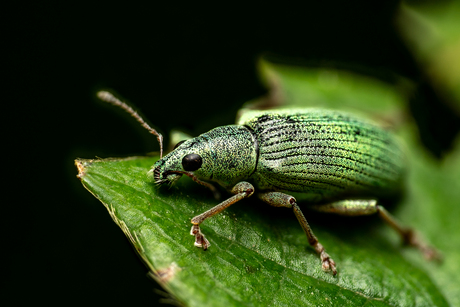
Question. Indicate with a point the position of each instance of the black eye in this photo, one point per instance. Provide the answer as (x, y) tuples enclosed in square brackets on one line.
[(191, 162), (178, 144)]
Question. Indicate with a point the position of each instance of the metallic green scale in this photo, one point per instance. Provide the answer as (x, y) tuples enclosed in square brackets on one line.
[(324, 154), (338, 163)]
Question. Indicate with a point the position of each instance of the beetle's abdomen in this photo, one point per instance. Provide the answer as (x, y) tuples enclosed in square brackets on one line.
[(326, 154)]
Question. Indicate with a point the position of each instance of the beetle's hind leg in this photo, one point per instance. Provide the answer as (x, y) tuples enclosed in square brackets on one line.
[(351, 207), (278, 199)]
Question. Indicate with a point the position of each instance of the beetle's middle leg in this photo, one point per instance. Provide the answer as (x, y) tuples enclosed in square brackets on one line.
[(241, 190), (278, 199), (352, 207)]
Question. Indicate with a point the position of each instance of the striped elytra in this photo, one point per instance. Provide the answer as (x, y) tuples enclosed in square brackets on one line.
[(325, 154)]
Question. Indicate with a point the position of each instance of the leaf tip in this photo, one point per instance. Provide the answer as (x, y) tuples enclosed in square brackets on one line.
[(81, 165)]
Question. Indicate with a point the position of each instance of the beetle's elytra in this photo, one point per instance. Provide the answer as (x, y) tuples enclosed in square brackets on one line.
[(332, 161)]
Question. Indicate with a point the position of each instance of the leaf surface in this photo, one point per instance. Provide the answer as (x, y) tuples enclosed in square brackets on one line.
[(258, 255)]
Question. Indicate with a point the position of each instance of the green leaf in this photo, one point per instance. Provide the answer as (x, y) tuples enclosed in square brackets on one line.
[(259, 254)]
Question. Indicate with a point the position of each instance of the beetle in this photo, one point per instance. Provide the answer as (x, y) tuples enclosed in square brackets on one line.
[(331, 160)]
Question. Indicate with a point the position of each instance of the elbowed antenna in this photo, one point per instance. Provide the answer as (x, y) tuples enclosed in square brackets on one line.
[(108, 97)]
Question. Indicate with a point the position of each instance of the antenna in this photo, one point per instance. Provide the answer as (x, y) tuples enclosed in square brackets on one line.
[(108, 97)]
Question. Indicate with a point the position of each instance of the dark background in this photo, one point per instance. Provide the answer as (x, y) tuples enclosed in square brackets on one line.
[(182, 65)]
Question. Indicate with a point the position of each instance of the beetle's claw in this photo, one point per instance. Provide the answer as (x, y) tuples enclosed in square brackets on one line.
[(432, 253), (429, 252), (327, 263), (200, 240)]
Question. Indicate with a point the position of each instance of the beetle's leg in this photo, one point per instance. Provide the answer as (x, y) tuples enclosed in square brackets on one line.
[(241, 190), (357, 207), (278, 199)]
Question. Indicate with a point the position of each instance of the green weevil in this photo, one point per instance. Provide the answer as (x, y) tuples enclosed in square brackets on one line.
[(332, 161)]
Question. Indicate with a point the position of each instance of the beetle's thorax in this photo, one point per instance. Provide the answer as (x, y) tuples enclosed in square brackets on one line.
[(228, 154)]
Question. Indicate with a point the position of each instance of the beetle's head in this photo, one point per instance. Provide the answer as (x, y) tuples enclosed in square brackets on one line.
[(189, 158), (224, 155)]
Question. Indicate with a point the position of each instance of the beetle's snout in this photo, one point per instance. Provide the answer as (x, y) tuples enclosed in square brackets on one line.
[(160, 176)]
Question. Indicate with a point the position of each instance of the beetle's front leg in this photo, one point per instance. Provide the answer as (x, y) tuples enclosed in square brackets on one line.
[(241, 190), (278, 199)]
